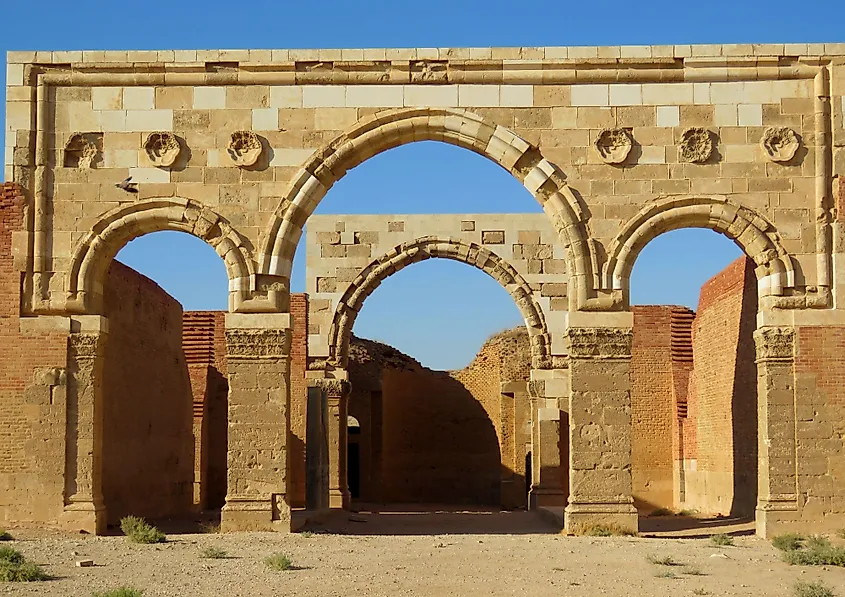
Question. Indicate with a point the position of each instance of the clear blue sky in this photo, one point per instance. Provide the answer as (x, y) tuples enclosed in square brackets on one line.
[(438, 312)]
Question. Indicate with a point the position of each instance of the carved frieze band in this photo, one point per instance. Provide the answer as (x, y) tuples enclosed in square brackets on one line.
[(600, 343), (245, 344), (775, 344)]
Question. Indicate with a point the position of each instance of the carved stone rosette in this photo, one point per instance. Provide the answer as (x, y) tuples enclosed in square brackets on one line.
[(246, 344), (81, 151), (780, 143), (244, 148), (614, 145), (600, 343), (162, 149), (696, 145), (775, 344)]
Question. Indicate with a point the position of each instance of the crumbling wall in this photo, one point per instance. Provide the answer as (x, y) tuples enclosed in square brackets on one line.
[(298, 397), (436, 436), (148, 447), (722, 478), (33, 357)]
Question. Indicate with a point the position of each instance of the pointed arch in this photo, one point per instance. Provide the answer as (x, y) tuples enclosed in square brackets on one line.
[(391, 128), (752, 232), (117, 227), (427, 247)]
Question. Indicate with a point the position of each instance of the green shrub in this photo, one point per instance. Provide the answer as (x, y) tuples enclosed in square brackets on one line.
[(663, 561), (817, 555), (665, 574), (788, 541), (661, 512), (686, 512), (279, 562), (811, 589), (140, 531), (693, 571), (5, 535), (606, 530), (22, 571), (722, 540), (214, 553), (121, 592), (10, 555)]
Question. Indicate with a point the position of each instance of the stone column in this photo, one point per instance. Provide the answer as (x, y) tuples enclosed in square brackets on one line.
[(777, 492), (337, 395), (600, 429), (84, 508), (546, 489), (258, 353)]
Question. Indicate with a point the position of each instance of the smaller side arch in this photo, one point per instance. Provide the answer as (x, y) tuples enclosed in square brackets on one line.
[(752, 232), (401, 256), (117, 227)]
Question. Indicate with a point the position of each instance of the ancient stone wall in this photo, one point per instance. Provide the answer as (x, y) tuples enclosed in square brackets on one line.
[(148, 446), (33, 393), (442, 437), (721, 475)]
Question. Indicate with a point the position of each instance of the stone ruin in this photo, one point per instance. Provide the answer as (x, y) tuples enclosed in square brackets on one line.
[(238, 147)]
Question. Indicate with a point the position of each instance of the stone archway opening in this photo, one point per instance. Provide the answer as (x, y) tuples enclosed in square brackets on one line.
[(694, 383)]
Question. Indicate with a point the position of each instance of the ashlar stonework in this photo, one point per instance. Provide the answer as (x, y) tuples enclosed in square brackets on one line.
[(264, 134)]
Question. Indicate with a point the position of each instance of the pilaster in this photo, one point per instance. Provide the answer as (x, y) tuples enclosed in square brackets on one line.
[(600, 428)]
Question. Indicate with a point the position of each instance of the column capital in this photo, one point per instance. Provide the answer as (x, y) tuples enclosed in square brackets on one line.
[(599, 342), (83, 346), (775, 344), (334, 388)]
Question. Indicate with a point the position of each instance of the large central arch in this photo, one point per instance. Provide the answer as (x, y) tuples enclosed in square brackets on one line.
[(401, 256), (391, 128)]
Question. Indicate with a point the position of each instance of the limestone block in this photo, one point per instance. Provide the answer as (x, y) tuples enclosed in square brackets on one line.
[(516, 96), (668, 93), (211, 98), (265, 119), (430, 95), (668, 116), (139, 98), (288, 96), (493, 237), (324, 96), (107, 98), (750, 115), (478, 96), (155, 175), (590, 95), (149, 120), (626, 94), (374, 96)]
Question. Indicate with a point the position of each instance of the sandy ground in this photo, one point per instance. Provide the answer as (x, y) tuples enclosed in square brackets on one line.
[(416, 555)]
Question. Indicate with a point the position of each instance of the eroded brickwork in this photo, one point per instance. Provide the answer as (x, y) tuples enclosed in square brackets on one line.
[(32, 393)]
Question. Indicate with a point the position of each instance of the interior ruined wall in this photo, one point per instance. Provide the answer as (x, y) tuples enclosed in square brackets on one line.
[(820, 427), (148, 448), (656, 363), (204, 345), (32, 392), (721, 476), (442, 437)]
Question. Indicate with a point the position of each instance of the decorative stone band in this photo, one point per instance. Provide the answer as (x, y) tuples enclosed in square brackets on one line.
[(248, 344), (334, 388), (775, 344), (599, 343), (85, 346)]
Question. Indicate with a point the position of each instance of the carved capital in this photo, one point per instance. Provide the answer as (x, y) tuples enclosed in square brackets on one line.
[(246, 344), (84, 346), (775, 344), (334, 388), (600, 343)]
